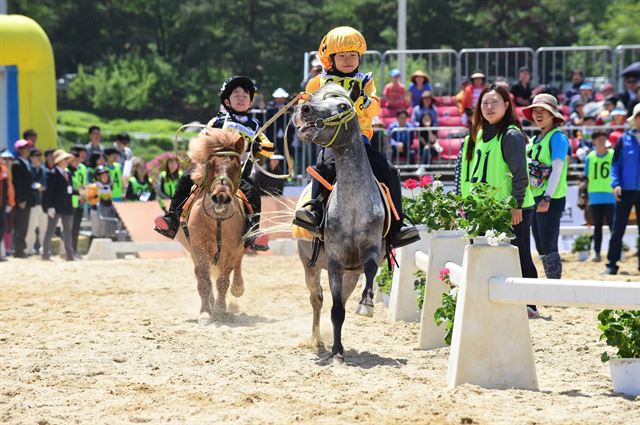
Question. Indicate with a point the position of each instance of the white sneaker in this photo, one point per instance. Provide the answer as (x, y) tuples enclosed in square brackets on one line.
[(533, 314)]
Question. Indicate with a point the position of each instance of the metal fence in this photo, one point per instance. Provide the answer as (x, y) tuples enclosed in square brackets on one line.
[(549, 65), (439, 64), (555, 65), (625, 55), (503, 62)]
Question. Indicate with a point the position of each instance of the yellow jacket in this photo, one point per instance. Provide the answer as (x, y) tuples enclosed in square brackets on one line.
[(365, 116)]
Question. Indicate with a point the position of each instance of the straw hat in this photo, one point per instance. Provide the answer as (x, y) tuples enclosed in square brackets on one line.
[(544, 101), (61, 155), (632, 119), (419, 73), (477, 74)]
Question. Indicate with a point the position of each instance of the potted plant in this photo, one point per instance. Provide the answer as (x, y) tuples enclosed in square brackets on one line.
[(486, 218), (621, 329), (419, 285), (384, 279), (433, 207), (582, 245), (446, 313)]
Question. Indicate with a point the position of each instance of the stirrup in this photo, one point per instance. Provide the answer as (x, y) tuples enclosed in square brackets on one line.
[(406, 236), (303, 220), (164, 228)]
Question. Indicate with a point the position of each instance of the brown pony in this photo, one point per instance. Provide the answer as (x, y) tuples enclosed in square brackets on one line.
[(216, 223)]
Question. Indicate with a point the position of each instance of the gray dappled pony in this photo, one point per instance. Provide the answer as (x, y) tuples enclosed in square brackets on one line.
[(353, 240)]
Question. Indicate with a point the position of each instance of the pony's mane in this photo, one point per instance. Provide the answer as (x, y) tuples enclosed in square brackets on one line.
[(209, 142)]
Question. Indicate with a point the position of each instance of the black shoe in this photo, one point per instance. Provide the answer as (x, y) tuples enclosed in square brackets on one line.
[(308, 219), (20, 255), (611, 270), (405, 236)]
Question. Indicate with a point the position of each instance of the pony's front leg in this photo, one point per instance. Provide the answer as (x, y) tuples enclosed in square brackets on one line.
[(237, 286), (202, 271), (222, 283), (337, 309), (312, 279), (370, 265)]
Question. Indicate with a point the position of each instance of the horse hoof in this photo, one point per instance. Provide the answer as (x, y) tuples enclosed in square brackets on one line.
[(237, 290), (364, 310), (205, 319), (338, 359)]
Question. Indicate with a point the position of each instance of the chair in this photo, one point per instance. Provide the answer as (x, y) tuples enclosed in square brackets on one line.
[(451, 148), (448, 111), (450, 121), (445, 100)]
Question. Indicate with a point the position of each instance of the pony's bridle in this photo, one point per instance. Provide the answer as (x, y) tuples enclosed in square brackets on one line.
[(223, 179), (338, 120)]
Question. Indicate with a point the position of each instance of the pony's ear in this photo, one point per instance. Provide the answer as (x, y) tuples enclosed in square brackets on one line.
[(238, 145)]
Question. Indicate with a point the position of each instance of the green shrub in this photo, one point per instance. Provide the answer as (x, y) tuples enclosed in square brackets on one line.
[(621, 329), (384, 279)]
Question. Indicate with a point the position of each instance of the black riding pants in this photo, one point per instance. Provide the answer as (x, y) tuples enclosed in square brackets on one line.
[(382, 169)]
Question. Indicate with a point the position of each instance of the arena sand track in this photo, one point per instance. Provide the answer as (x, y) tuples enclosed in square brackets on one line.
[(118, 342)]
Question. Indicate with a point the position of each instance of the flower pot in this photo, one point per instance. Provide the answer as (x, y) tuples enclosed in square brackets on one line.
[(583, 255), (625, 375), (385, 299), (482, 240)]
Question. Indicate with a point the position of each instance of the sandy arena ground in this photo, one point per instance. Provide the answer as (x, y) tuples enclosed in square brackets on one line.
[(118, 342)]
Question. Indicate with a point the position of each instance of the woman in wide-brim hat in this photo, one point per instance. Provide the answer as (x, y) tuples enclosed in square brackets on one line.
[(548, 162), (419, 84)]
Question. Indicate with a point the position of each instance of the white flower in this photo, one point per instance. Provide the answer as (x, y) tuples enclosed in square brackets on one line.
[(490, 233), (502, 237), (492, 240), (436, 184)]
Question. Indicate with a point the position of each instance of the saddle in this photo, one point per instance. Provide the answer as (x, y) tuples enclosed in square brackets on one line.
[(298, 232)]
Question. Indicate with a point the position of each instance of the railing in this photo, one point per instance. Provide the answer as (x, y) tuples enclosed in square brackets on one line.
[(502, 62), (625, 55), (439, 64), (555, 64), (549, 65)]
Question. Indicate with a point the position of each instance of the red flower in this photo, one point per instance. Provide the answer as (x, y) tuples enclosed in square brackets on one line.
[(444, 274), (425, 181), (410, 183)]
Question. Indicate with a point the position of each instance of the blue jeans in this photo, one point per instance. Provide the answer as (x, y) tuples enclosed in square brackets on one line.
[(628, 199), (546, 226)]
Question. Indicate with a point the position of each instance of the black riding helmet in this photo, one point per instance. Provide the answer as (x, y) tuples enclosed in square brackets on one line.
[(237, 81), (101, 170)]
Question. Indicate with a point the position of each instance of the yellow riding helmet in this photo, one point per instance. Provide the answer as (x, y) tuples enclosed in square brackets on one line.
[(340, 39)]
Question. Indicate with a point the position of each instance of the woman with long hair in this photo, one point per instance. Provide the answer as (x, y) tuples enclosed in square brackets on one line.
[(496, 155)]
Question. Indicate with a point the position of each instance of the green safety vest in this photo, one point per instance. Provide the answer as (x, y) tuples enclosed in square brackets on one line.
[(540, 150), (139, 188), (78, 181), (169, 184), (115, 173), (600, 172), (465, 176), (488, 166)]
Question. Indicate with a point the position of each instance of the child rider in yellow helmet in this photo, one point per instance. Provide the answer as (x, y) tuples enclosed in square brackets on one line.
[(340, 52)]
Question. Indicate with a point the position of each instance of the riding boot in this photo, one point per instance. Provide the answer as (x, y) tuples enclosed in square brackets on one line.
[(255, 242), (400, 234), (552, 264), (311, 215), (167, 224)]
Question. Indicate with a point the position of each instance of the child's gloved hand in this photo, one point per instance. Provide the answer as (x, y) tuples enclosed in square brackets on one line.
[(255, 147), (362, 103)]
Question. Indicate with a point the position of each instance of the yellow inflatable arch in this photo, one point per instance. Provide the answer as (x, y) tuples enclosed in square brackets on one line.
[(26, 45)]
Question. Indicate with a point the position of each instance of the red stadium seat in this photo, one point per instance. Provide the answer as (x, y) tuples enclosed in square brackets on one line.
[(445, 101), (519, 112), (566, 110), (443, 134), (575, 144), (387, 121), (451, 148), (450, 121), (448, 111)]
